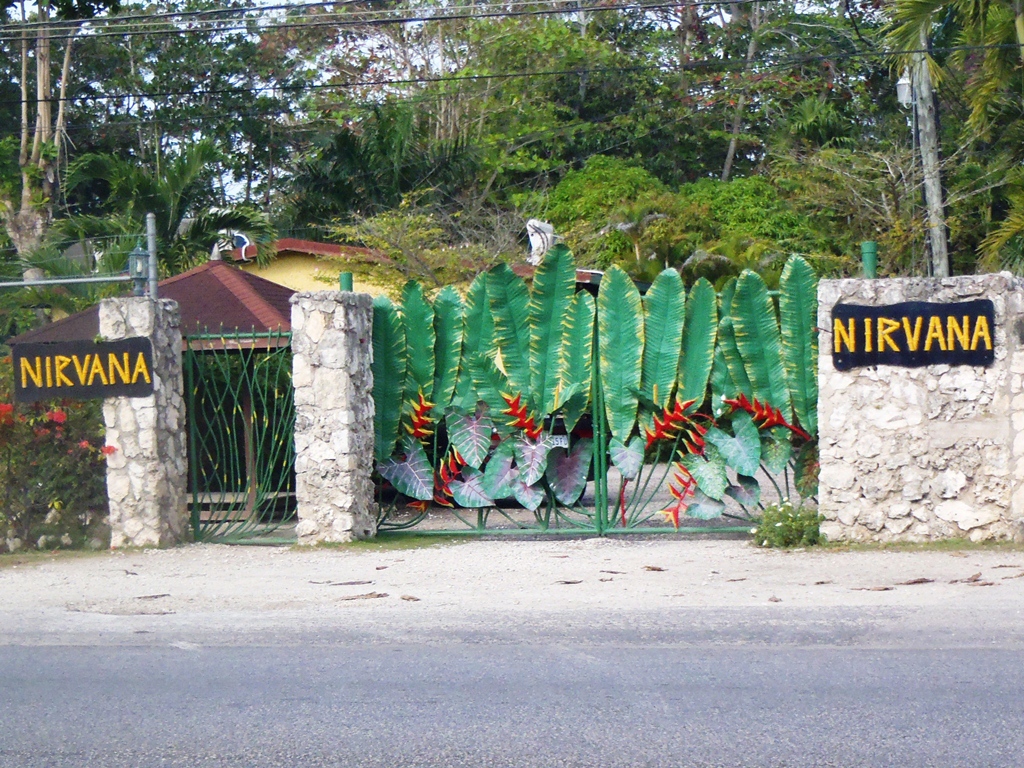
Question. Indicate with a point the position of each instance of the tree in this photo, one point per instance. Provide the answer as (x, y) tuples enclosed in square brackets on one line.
[(187, 230)]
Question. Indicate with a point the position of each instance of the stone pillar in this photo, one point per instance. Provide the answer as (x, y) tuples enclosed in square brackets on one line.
[(146, 474), (923, 453), (331, 356)]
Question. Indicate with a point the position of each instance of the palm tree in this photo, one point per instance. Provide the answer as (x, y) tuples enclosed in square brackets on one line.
[(187, 229)]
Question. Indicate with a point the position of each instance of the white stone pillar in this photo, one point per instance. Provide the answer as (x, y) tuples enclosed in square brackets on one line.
[(923, 453), (331, 356), (146, 474)]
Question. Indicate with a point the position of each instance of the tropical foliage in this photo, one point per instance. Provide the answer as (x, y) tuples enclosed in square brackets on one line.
[(520, 394)]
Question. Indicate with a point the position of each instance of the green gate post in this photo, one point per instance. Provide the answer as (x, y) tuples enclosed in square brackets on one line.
[(869, 258)]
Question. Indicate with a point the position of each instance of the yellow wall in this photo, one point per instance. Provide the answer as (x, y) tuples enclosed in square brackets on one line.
[(299, 272)]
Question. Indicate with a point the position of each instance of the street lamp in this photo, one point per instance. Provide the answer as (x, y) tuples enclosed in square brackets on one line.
[(905, 89), (138, 269)]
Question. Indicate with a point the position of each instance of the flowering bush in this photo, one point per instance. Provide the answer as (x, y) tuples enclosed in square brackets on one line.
[(52, 477), (783, 525)]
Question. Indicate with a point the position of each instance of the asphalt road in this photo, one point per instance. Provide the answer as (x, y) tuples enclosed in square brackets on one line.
[(750, 695)]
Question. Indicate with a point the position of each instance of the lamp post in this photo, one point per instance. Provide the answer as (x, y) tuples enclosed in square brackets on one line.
[(138, 269)]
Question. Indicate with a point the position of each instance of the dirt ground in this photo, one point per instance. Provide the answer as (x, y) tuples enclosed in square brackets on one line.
[(209, 589)]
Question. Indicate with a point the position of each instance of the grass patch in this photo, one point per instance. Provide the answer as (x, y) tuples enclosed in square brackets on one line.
[(33, 557), (939, 545)]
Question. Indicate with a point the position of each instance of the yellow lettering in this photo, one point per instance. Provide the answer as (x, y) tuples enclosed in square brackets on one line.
[(841, 334), (886, 327), (59, 364), (97, 368), (49, 373), (955, 331), (28, 372), (981, 332), (141, 369), (115, 367), (913, 338), (81, 368), (935, 332), (868, 339)]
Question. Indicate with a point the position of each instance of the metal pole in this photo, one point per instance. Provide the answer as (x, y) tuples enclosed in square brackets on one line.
[(151, 242), (345, 281), (869, 258)]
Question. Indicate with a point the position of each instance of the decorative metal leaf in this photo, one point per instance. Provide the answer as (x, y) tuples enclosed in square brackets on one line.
[(709, 472), (478, 338), (576, 359), (776, 449), (699, 332), (469, 493), (756, 330), (727, 343), (664, 309), (746, 491), (531, 458), (530, 496), (488, 382), (798, 309), (550, 299), (418, 320), (621, 345), (805, 475), (567, 473), (722, 385), (388, 376), (471, 435), (509, 301), (627, 457), (412, 476), (449, 319), (702, 507), (742, 452), (500, 474)]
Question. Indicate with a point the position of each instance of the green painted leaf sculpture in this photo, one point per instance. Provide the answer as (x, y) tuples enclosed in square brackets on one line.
[(488, 382), (500, 473), (703, 507), (478, 338), (471, 435), (621, 346), (550, 300), (746, 491), (627, 457), (567, 472), (388, 376), (798, 308), (510, 302), (576, 359), (805, 475), (469, 492), (776, 449), (664, 308), (418, 320), (531, 457), (530, 496), (727, 344), (413, 475), (722, 385), (708, 471), (757, 337), (741, 451), (449, 320), (699, 333)]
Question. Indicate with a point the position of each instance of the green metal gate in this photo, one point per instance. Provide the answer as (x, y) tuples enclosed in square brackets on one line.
[(241, 424)]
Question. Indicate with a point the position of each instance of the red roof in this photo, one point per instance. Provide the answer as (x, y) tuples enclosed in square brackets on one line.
[(309, 248), (214, 297)]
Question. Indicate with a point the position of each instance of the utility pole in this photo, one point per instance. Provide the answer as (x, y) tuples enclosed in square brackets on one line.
[(927, 122)]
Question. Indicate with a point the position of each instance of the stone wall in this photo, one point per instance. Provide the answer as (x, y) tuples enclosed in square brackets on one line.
[(331, 356), (923, 453), (146, 474)]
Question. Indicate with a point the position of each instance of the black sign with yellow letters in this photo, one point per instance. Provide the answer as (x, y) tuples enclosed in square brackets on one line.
[(82, 370), (913, 334)]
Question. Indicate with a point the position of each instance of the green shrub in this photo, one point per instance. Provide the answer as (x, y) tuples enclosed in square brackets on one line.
[(52, 472), (784, 525)]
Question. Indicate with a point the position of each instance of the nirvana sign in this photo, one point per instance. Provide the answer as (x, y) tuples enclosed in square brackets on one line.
[(913, 334), (83, 370)]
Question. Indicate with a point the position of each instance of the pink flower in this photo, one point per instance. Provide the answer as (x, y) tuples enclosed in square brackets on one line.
[(57, 416), (85, 444), (108, 450)]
